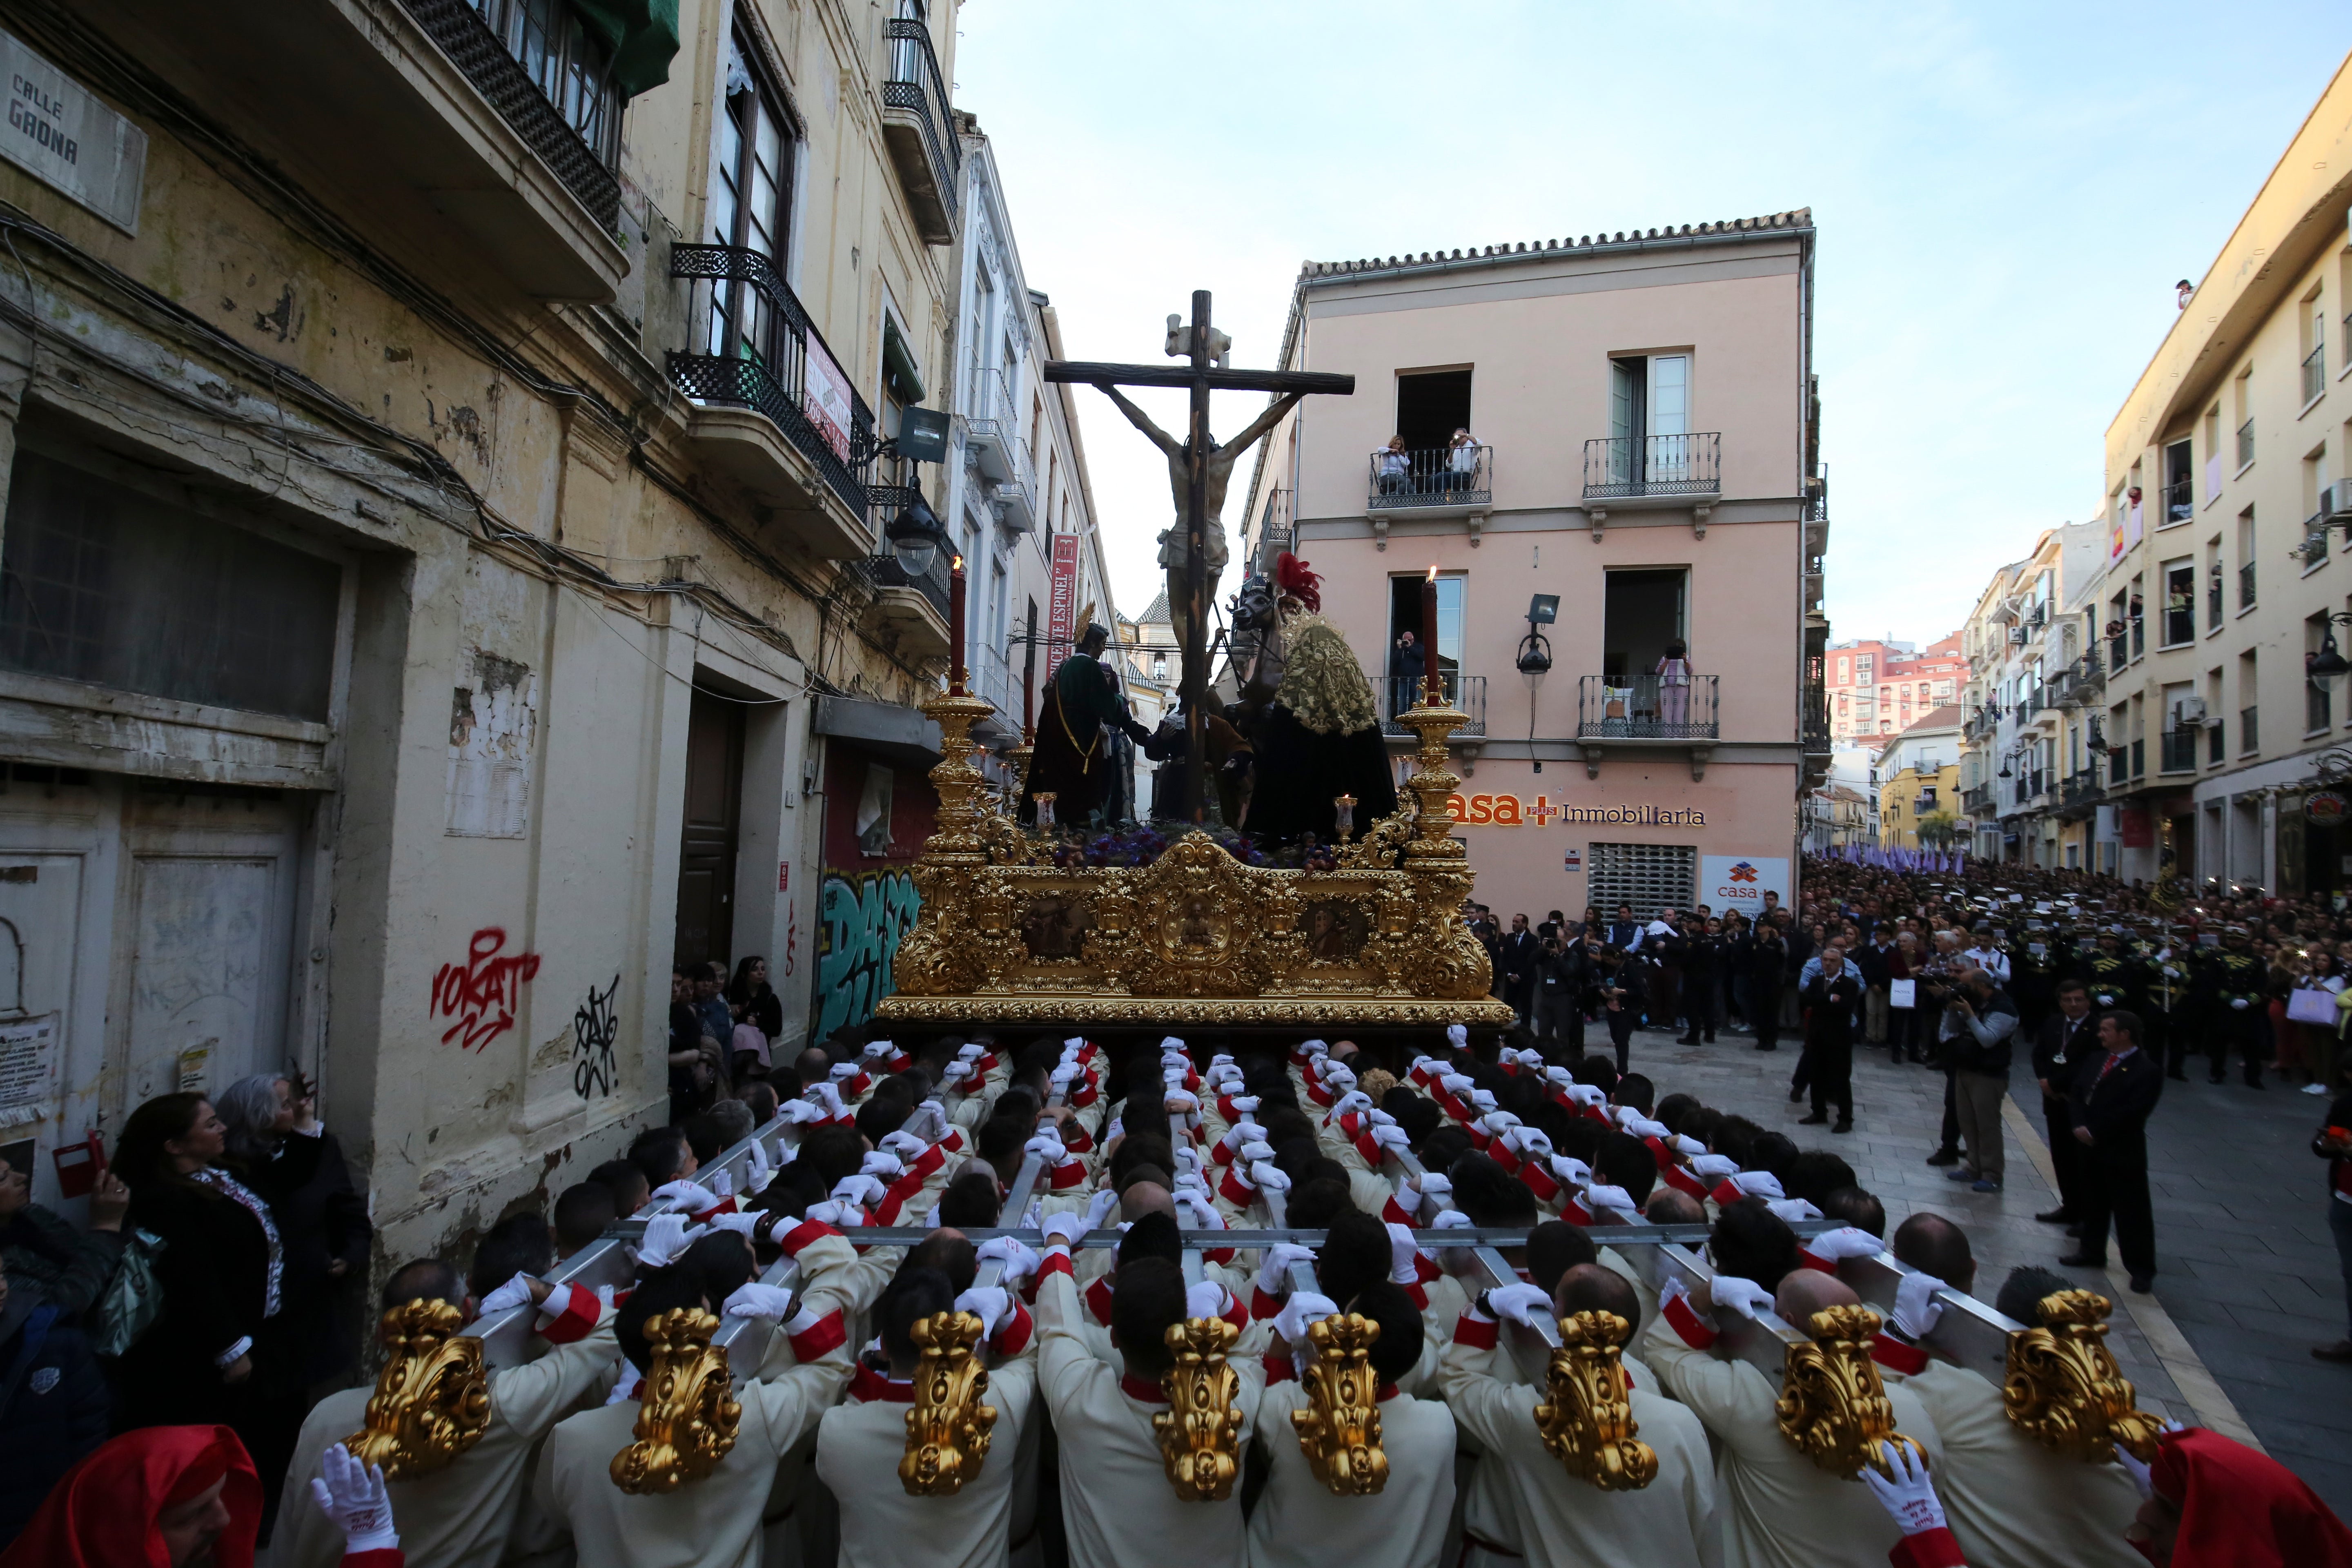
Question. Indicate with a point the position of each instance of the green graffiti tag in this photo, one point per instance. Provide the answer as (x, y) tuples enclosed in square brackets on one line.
[(864, 916)]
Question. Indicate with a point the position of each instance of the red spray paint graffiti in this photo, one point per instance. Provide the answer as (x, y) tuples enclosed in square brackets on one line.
[(481, 995)]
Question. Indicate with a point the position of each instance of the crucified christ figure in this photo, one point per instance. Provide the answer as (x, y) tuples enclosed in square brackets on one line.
[(1222, 459)]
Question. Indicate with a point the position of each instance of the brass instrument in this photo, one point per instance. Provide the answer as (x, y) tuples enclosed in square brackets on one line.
[(431, 1401), (1587, 1416), (2065, 1389), (949, 1430), (1339, 1430), (687, 1414), (1200, 1433), (1832, 1405)]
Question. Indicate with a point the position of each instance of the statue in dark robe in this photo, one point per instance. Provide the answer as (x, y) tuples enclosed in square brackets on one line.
[(1073, 760), (1319, 739)]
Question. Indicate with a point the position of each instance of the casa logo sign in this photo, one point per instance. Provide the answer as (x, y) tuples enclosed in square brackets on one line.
[(1510, 811), (2324, 808), (1740, 881)]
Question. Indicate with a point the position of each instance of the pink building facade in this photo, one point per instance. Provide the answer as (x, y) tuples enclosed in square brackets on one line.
[(1618, 433)]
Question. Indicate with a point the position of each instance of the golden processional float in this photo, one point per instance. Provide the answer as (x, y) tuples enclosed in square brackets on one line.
[(1375, 941)]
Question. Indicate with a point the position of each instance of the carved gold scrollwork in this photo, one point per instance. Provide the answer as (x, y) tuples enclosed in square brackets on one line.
[(687, 1415), (431, 1401), (1339, 1430), (1200, 1433), (1587, 1417), (948, 1429), (2065, 1389), (1832, 1405)]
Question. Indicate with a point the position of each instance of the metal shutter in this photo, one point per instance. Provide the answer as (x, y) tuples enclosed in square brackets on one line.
[(1649, 877)]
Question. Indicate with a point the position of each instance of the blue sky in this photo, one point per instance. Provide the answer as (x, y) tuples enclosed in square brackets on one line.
[(2006, 195)]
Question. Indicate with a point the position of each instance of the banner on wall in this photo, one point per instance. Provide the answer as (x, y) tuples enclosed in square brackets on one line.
[(1740, 881), (1062, 601)]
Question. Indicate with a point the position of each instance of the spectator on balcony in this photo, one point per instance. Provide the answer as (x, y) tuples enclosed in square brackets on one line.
[(1673, 673), (1462, 462), (1394, 466), (1408, 668)]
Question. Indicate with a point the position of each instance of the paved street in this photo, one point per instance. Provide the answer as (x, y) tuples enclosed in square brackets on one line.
[(2247, 1278)]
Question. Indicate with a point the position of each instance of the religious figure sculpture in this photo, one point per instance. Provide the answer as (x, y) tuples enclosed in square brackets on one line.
[(1320, 738), (1072, 759)]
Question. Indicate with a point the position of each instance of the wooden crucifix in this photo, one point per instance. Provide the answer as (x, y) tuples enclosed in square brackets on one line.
[(1199, 470)]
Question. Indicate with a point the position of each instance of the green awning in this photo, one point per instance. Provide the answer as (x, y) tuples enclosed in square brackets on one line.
[(899, 364), (640, 36)]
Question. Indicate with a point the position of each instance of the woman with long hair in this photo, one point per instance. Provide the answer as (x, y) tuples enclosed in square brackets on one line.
[(216, 1355), (754, 1003), (276, 1146)]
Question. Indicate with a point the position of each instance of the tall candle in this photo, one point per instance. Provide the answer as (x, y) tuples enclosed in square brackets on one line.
[(955, 627), (1434, 682)]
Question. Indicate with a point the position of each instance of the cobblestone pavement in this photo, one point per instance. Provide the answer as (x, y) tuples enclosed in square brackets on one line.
[(2247, 1276)]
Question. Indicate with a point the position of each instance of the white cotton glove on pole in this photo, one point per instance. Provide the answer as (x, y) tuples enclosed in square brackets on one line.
[(861, 1190), (1269, 1177), (799, 1112), (1528, 1304), (688, 1197), (905, 1146), (1758, 1185), (1616, 1200), (1099, 1208), (1713, 1167), (1846, 1241), (1302, 1309), (758, 1171), (1404, 1258), (1019, 1260), (741, 1223), (1206, 1300), (990, 1304), (1457, 1038), (1909, 1498), (1916, 1310), (885, 1165), (1046, 1147), (1273, 1272), (515, 1293), (1065, 1229), (355, 1500), (1793, 1209), (667, 1235), (754, 1300), (1732, 1294), (1395, 1138)]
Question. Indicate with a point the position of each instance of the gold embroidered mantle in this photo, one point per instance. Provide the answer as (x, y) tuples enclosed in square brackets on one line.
[(1006, 936)]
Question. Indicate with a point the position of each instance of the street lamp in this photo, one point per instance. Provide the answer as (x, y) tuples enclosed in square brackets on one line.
[(1535, 660), (915, 536), (2327, 667)]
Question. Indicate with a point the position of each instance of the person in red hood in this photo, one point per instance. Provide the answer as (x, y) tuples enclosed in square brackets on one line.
[(2214, 1503), (187, 1497)]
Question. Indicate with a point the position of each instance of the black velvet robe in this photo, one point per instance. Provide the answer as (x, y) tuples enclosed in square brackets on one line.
[(1299, 774)]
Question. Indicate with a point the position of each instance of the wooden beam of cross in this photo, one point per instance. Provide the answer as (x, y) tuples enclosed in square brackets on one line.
[(1199, 469)]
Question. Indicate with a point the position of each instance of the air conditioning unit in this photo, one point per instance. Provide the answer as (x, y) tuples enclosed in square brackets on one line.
[(2336, 501), (2017, 635), (2188, 712)]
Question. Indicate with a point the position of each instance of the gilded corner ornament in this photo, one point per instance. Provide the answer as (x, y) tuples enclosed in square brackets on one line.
[(1832, 1405), (1586, 1418), (687, 1414), (948, 1429), (1200, 1433), (1339, 1430), (2063, 1388), (431, 1401)]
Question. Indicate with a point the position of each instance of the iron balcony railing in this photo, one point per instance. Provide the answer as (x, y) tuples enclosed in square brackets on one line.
[(932, 583), (751, 345), (2313, 549), (1467, 693), (2180, 505), (2246, 587), (2314, 371), (1440, 476), (2118, 653), (547, 77), (2138, 634), (2080, 682), (2179, 620), (2245, 443), (2213, 597), (1976, 799), (2178, 751), (915, 84), (1619, 467), (2081, 787), (1642, 708)]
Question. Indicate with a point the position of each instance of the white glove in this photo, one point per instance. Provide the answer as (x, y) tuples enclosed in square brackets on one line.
[(971, 1053), (799, 1112), (1533, 1142), (1643, 1127), (2238, 1003), (1585, 1094), (1188, 1162), (1391, 1137), (862, 1190), (1452, 1219), (1572, 1171), (992, 1304), (906, 1146), (353, 1497), (688, 1197), (1730, 1293), (1315, 1047), (1170, 1043), (828, 1099), (937, 1112), (1558, 1077), (1019, 1258), (1423, 1065), (1339, 1078), (1273, 1273), (758, 1171), (1916, 1307), (955, 1072), (2136, 1471), (1713, 1167), (1257, 1152), (1048, 1147), (2104, 1000), (1435, 1186), (1267, 1176), (1456, 1084), (1758, 1185), (1355, 1099), (1061, 1076), (754, 1300), (1617, 1200), (1221, 1059), (667, 1235), (1495, 1123), (1846, 1241), (1302, 1309), (741, 1223), (1171, 1074), (877, 1051), (1206, 1300), (1404, 1258), (1457, 1038), (787, 1153), (1244, 1104), (1065, 1229), (1528, 1304), (1181, 1101), (1910, 1496), (877, 1164), (1482, 1101), (722, 1184), (1793, 1209), (1099, 1208), (515, 1293), (838, 1213), (1689, 1148), (1204, 1211)]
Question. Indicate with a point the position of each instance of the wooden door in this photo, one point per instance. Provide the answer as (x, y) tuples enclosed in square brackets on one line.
[(714, 811)]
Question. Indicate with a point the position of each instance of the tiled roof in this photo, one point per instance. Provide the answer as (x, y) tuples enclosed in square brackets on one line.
[(1156, 612), (1947, 717), (1801, 218)]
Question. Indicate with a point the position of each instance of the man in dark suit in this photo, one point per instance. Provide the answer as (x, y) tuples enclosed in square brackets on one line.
[(1874, 960), (2109, 1108), (2066, 1039), (1830, 1001), (1514, 959), (1624, 933)]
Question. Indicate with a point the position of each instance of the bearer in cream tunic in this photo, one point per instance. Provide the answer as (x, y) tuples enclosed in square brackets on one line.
[(1779, 1510), (714, 1523), (1556, 1519), (462, 1515)]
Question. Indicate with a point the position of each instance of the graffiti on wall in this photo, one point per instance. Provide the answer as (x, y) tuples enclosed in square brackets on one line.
[(863, 916), (481, 994), (595, 1027)]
